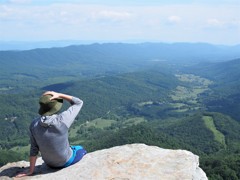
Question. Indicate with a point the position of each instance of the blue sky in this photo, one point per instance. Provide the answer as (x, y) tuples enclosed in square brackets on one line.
[(212, 21)]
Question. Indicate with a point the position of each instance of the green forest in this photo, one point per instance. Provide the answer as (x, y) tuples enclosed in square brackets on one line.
[(193, 107)]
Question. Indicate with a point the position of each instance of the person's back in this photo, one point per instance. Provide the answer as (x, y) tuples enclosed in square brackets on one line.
[(52, 141), (49, 133)]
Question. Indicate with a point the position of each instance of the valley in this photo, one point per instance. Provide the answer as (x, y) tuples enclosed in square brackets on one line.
[(190, 93), (128, 98)]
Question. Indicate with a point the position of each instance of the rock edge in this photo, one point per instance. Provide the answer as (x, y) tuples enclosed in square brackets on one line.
[(131, 161)]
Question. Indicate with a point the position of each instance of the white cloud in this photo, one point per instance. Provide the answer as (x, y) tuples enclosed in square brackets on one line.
[(215, 22), (112, 15), (174, 19), (220, 24)]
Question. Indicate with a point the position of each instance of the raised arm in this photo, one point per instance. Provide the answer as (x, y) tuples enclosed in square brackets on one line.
[(68, 116), (56, 95)]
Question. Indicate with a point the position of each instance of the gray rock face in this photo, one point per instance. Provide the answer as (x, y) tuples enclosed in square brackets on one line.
[(133, 162)]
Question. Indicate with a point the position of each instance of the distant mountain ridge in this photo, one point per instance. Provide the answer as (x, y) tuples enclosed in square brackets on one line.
[(27, 45), (193, 52), (90, 60)]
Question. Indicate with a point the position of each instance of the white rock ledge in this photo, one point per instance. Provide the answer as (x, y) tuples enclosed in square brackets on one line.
[(131, 161)]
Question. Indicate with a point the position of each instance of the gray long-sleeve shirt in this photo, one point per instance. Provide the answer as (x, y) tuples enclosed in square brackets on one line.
[(49, 135)]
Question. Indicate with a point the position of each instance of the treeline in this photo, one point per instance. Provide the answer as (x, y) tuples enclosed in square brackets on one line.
[(112, 93), (17, 112), (142, 133), (224, 165), (192, 131), (10, 156)]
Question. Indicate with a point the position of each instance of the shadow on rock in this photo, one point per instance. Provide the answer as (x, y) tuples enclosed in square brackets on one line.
[(39, 170)]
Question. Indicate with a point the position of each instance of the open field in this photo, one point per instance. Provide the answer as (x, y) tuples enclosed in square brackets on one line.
[(186, 97), (104, 123), (218, 136)]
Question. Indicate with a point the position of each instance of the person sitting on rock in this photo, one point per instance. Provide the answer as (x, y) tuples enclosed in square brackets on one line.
[(49, 132)]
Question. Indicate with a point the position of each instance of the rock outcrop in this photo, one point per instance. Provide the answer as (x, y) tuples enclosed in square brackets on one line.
[(133, 161)]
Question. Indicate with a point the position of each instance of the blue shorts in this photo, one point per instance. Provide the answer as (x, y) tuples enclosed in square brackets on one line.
[(78, 153)]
